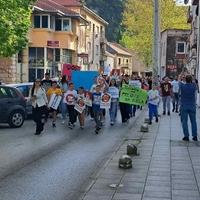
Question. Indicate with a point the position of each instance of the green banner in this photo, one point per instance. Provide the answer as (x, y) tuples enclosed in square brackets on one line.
[(133, 95)]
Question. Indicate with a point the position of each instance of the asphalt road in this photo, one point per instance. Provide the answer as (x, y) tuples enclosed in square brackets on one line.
[(57, 165)]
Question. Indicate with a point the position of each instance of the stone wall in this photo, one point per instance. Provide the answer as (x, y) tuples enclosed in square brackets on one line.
[(8, 71)]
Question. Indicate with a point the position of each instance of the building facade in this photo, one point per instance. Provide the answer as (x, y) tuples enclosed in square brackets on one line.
[(62, 32), (174, 43)]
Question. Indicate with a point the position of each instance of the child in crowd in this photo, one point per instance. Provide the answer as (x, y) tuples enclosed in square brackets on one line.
[(81, 102), (57, 91), (96, 101), (153, 101), (114, 92), (70, 98)]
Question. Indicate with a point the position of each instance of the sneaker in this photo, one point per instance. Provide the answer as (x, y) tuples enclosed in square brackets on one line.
[(195, 139), (156, 119), (70, 125), (185, 139), (63, 122), (168, 113), (164, 113), (54, 125), (150, 122), (111, 123), (82, 127)]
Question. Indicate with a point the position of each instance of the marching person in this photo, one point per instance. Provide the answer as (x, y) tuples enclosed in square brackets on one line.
[(114, 92), (175, 89), (96, 101), (188, 107), (153, 101), (166, 95), (81, 102), (57, 91), (39, 101), (70, 98), (63, 87)]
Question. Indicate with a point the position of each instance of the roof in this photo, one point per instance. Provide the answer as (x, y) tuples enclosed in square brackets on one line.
[(53, 6), (69, 2), (114, 48)]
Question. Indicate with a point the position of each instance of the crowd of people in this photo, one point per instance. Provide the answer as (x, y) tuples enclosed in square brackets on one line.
[(181, 92)]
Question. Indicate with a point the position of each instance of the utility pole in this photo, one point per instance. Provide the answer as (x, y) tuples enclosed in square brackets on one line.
[(156, 41)]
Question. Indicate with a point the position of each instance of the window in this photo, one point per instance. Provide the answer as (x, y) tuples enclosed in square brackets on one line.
[(97, 49), (58, 24), (180, 47), (63, 24), (127, 61), (24, 90), (41, 21), (37, 21), (57, 55), (67, 56), (119, 61), (7, 93)]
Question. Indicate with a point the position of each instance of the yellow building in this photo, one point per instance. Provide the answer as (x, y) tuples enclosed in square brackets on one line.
[(62, 32)]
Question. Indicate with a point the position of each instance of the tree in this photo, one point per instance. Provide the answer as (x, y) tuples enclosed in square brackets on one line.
[(111, 11), (14, 25), (138, 24)]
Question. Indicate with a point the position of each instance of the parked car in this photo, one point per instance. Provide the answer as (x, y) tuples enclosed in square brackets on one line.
[(12, 106), (24, 88)]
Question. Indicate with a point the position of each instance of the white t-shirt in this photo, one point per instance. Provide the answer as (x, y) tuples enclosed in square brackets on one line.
[(70, 97), (153, 97), (175, 86)]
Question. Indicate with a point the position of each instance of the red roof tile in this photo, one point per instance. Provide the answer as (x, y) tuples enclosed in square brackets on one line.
[(69, 2), (52, 6)]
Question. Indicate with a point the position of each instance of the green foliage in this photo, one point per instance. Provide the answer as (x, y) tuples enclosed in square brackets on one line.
[(111, 11), (138, 24), (14, 25)]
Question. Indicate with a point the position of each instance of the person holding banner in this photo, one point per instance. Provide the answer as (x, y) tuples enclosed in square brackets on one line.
[(114, 92), (53, 92), (70, 98), (39, 102)]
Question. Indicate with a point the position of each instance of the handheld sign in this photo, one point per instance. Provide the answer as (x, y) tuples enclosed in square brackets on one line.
[(88, 99), (80, 106), (133, 95), (105, 100), (54, 101)]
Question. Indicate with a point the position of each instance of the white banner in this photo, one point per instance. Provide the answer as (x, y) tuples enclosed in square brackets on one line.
[(105, 101), (114, 92), (55, 101), (80, 106)]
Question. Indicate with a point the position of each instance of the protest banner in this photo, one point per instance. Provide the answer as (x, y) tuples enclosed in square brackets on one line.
[(84, 79), (54, 101), (133, 95), (105, 101), (135, 83), (80, 106), (114, 92)]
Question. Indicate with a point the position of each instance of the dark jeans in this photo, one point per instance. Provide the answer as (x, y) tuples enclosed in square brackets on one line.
[(39, 115), (191, 112), (72, 114), (175, 101), (97, 118), (125, 111)]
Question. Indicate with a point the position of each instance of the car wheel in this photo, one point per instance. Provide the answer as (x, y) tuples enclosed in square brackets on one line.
[(16, 119)]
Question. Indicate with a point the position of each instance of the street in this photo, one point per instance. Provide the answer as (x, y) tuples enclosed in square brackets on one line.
[(59, 164)]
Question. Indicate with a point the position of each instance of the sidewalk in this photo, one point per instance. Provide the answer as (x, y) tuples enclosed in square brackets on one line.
[(166, 168)]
